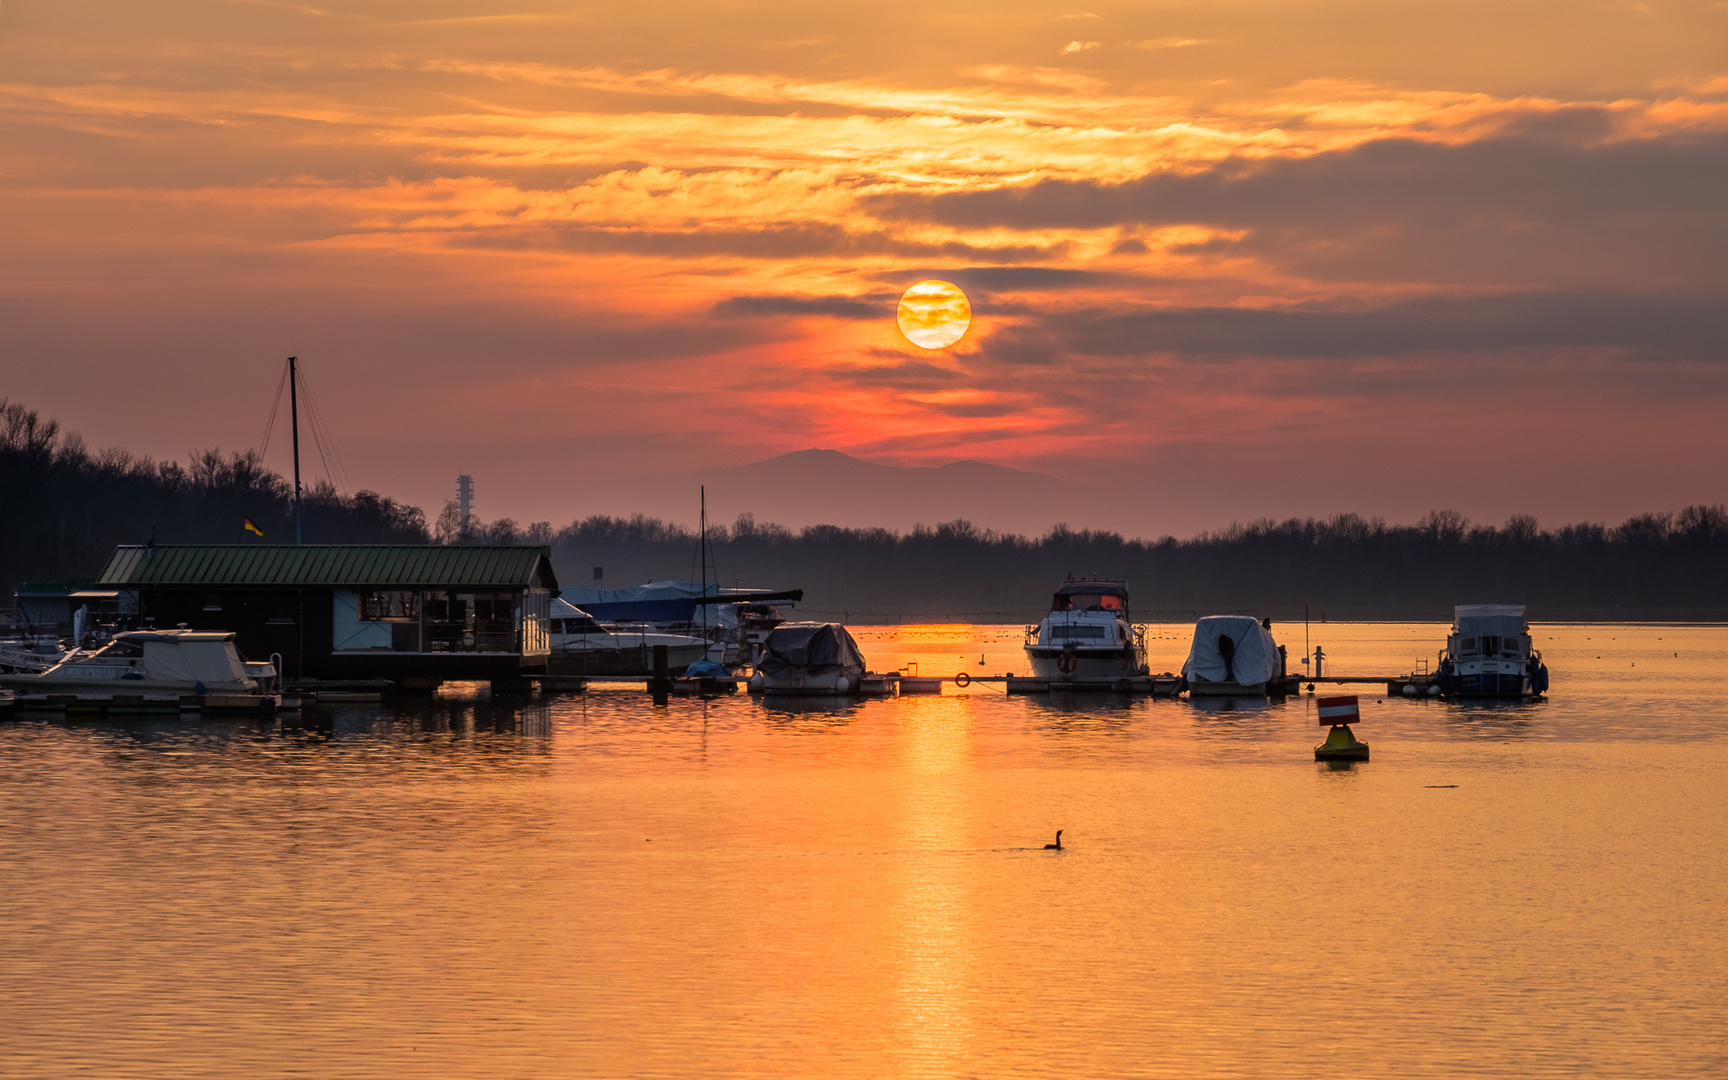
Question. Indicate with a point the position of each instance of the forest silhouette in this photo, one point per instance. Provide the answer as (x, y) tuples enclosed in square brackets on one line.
[(67, 507)]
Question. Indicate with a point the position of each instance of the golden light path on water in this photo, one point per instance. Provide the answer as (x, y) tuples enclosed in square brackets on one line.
[(934, 314), (593, 885)]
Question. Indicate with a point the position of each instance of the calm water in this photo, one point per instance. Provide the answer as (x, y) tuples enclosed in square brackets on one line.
[(591, 886)]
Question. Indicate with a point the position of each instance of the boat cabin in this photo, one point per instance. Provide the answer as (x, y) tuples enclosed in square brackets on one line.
[(416, 614), (1111, 596)]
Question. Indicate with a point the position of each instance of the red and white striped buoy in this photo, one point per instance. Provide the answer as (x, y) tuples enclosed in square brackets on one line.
[(1341, 743), (1338, 710)]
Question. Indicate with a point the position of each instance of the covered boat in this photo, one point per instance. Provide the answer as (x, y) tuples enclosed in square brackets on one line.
[(668, 602), (1231, 655), (1489, 653), (582, 645), (809, 658), (1087, 636), (153, 661)]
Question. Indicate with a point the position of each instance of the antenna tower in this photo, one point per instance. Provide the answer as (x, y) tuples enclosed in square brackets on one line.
[(464, 504)]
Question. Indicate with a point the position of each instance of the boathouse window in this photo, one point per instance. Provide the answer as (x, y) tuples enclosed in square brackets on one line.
[(279, 609), (213, 601), (471, 622), (384, 605)]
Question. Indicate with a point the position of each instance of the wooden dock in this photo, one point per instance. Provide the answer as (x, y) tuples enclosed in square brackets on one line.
[(106, 704)]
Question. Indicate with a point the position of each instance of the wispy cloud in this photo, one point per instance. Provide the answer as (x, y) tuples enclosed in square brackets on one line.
[(1171, 43)]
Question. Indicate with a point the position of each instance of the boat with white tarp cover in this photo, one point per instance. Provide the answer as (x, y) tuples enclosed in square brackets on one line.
[(1231, 655), (153, 662)]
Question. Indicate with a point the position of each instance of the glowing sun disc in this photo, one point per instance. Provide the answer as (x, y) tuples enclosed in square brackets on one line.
[(934, 314)]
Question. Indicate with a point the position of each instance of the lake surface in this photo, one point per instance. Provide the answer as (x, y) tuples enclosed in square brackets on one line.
[(595, 886)]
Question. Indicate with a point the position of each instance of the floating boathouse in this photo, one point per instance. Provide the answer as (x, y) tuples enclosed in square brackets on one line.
[(416, 614)]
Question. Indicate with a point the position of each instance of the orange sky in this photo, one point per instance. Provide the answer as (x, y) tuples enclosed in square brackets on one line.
[(1230, 259)]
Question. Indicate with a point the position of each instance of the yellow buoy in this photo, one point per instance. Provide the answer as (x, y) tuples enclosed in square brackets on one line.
[(1341, 745)]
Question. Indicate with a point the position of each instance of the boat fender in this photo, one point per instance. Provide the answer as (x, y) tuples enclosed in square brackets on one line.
[(1540, 682), (1409, 689), (963, 679), (1067, 662), (1433, 690), (842, 685)]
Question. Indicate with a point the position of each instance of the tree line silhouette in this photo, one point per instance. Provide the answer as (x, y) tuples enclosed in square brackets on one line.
[(67, 507), (1662, 566)]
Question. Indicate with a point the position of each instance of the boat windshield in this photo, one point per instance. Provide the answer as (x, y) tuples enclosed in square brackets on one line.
[(1089, 602)]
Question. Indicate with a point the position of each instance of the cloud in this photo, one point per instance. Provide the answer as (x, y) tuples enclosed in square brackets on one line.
[(1632, 325), (1529, 207), (839, 307), (1078, 46), (1151, 44), (908, 374), (773, 242)]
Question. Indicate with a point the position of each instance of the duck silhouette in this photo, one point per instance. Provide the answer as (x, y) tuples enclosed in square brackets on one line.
[(1057, 846)]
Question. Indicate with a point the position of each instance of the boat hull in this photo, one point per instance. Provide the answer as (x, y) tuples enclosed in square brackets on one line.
[(630, 660), (1488, 684), (1088, 665), (798, 682), (1204, 688), (52, 684)]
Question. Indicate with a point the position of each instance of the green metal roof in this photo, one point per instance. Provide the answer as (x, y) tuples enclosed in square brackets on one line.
[(342, 565), (59, 587)]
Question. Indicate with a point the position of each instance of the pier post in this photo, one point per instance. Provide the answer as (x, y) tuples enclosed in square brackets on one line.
[(662, 681)]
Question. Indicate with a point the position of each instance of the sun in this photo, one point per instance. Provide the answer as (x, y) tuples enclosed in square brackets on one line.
[(934, 314)]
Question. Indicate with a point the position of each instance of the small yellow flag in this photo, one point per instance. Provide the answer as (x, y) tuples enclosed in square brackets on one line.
[(252, 528)]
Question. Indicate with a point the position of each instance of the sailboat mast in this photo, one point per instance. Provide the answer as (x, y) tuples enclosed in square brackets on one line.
[(294, 419), (704, 557)]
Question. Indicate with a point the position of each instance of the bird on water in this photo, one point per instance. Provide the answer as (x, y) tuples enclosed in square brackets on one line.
[(1057, 846)]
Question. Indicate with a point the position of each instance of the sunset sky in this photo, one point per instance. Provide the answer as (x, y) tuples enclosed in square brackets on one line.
[(1225, 260)]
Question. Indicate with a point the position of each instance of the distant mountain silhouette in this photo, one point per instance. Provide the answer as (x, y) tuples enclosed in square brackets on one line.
[(827, 487)]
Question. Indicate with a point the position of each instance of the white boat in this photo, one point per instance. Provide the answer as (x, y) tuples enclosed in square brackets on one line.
[(166, 662), (583, 645), (1087, 636), (809, 658), (1231, 656), (31, 655), (1489, 653)]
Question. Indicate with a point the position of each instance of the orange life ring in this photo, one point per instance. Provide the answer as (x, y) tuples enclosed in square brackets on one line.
[(962, 679), (1067, 663)]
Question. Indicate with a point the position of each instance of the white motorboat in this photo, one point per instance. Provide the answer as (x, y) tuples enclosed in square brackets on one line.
[(1231, 656), (166, 662), (809, 658), (583, 645), (1489, 653), (31, 655), (1087, 636)]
